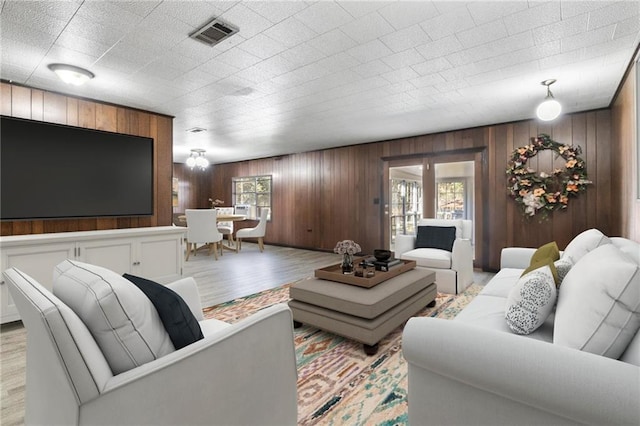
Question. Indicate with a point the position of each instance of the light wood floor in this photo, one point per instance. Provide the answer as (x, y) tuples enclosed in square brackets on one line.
[(233, 275)]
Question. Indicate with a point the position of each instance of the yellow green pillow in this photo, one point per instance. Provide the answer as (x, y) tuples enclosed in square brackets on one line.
[(541, 263), (547, 251)]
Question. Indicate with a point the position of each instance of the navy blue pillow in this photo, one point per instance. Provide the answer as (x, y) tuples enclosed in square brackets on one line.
[(177, 318), (438, 237)]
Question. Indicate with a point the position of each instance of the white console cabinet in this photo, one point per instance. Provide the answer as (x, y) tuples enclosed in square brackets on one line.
[(155, 253)]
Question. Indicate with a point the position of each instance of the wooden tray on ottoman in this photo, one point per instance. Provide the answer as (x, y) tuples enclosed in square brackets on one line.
[(334, 273)]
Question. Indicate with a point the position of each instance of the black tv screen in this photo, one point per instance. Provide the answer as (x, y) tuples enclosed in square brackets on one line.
[(52, 171)]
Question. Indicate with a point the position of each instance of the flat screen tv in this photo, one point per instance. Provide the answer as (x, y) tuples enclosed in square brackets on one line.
[(52, 171)]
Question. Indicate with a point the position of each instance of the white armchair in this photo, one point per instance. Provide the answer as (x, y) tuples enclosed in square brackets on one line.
[(454, 269), (239, 374)]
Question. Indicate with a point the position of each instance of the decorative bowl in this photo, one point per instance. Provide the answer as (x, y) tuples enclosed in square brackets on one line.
[(381, 255)]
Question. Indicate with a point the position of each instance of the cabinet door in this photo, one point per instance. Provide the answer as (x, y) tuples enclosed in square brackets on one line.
[(38, 262), (160, 258), (115, 254)]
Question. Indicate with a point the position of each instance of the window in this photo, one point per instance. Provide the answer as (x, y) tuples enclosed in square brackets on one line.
[(253, 192), (406, 206), (451, 199)]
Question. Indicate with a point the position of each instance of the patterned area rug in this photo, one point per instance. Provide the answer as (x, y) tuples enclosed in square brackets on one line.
[(337, 383)]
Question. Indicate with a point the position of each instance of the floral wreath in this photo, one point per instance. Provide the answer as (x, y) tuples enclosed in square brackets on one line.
[(539, 191)]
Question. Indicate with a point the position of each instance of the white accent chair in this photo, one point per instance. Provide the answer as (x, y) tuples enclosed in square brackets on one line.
[(454, 269), (257, 232), (226, 227), (239, 374), (202, 228)]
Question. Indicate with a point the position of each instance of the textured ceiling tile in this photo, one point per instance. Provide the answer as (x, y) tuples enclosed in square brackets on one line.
[(627, 27), (332, 42), (444, 25), (397, 76), (432, 66), (83, 27), (366, 52), (591, 37), (193, 13), (615, 12), (441, 47), (324, 16), (482, 34), (372, 68), (140, 8), (108, 14), (238, 58), (249, 22), (561, 29), (302, 54), (536, 16), (10, 30), (276, 11), (358, 9), (406, 38), (405, 14), (427, 80), (290, 32), (483, 12), (43, 15), (404, 59), (262, 46), (367, 28)]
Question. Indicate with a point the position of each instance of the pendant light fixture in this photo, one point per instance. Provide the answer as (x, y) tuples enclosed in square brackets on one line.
[(549, 109), (197, 159), (71, 74)]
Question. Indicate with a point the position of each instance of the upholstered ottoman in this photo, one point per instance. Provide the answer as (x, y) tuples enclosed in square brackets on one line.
[(363, 314)]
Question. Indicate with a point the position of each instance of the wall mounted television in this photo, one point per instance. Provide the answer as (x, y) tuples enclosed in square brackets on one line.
[(53, 171)]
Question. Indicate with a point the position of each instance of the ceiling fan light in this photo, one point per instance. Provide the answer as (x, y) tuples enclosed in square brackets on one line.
[(549, 110), (191, 162), (70, 74)]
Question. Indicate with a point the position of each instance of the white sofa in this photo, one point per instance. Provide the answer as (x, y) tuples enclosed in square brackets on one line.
[(238, 374), (454, 269), (475, 370)]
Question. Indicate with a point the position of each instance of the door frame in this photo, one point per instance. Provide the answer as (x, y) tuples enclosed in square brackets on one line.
[(428, 160)]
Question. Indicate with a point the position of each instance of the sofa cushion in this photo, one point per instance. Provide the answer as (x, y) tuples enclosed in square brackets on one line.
[(176, 316), (122, 320), (598, 309), (532, 299), (458, 223), (438, 237), (488, 312), (583, 243), (429, 257), (547, 251), (628, 247)]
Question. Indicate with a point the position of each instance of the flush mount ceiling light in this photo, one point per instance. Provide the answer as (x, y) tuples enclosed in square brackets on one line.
[(197, 159), (71, 74), (549, 109)]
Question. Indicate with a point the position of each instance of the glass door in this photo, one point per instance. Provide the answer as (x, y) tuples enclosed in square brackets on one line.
[(405, 195)]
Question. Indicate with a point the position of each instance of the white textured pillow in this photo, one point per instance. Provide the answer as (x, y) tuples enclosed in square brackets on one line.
[(563, 266), (599, 303), (531, 301), (122, 320), (583, 243)]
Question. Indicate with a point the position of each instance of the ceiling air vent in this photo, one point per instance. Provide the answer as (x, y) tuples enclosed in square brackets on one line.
[(214, 32)]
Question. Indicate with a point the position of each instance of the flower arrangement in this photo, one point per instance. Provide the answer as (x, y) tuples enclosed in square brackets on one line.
[(347, 247), (215, 203), (539, 191)]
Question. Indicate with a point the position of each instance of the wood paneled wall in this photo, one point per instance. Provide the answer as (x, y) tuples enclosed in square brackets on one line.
[(625, 159), (34, 104), (325, 196), (193, 188)]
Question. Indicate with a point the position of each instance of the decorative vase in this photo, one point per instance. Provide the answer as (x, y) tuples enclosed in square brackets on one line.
[(347, 263)]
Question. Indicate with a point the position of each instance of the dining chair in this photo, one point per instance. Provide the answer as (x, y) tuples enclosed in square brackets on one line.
[(226, 227), (257, 232), (203, 229)]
